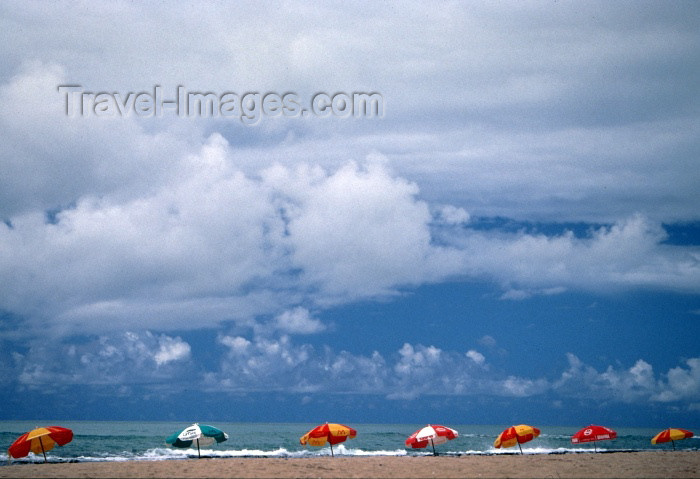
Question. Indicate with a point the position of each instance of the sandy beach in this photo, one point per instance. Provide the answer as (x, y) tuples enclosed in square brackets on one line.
[(633, 464)]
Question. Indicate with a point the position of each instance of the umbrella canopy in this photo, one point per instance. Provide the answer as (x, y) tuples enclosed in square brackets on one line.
[(331, 433), (431, 434), (40, 440), (671, 435), (592, 434), (516, 435), (201, 434)]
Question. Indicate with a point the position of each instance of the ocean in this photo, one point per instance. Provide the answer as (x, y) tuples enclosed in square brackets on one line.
[(125, 441)]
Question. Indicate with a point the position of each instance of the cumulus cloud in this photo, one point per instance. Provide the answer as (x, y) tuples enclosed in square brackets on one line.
[(263, 363), (122, 359), (171, 349), (628, 253), (452, 215), (220, 242), (681, 383), (358, 231), (638, 383), (50, 161), (417, 370), (237, 344), (476, 356), (214, 244), (298, 321), (413, 371)]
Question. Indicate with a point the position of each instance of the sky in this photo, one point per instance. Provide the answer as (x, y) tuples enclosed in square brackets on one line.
[(513, 236)]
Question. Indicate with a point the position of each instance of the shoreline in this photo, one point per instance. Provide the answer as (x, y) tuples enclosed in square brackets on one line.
[(651, 464)]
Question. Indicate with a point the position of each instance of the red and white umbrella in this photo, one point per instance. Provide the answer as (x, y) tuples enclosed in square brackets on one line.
[(592, 434), (431, 434)]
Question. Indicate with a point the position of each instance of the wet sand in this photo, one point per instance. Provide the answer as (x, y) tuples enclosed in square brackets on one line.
[(619, 464)]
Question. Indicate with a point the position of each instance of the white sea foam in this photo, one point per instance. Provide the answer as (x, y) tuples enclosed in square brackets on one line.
[(341, 449)]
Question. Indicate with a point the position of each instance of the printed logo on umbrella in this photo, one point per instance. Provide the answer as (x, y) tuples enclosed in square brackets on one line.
[(189, 434)]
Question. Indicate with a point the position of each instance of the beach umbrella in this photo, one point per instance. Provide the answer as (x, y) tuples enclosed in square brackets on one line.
[(200, 433), (516, 435), (431, 434), (671, 434), (331, 433), (592, 434), (40, 440)]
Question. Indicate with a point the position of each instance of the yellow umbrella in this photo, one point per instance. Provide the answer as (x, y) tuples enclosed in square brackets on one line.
[(671, 434), (331, 433), (40, 440), (516, 435)]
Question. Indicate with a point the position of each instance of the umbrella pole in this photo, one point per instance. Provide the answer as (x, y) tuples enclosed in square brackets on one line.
[(520, 447), (595, 447), (42, 449), (673, 443), (331, 448), (199, 455), (433, 444)]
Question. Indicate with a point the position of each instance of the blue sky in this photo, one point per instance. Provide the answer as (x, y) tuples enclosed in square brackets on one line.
[(515, 239)]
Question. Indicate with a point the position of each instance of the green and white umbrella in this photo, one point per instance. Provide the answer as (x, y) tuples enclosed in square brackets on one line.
[(200, 433)]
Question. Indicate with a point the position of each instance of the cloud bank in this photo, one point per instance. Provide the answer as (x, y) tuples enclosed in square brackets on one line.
[(215, 244), (269, 363)]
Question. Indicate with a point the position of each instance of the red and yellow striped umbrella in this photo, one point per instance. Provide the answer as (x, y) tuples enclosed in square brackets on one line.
[(40, 440), (516, 435), (671, 435), (331, 433)]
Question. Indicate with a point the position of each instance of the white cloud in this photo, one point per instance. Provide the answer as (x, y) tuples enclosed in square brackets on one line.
[(298, 321), (121, 359), (415, 371), (681, 384), (279, 364), (476, 356), (520, 387), (171, 349), (50, 161), (516, 294), (628, 254), (453, 215), (213, 244), (358, 231), (238, 344), (639, 383)]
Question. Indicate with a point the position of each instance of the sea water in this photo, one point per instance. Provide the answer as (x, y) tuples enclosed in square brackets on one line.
[(125, 441)]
